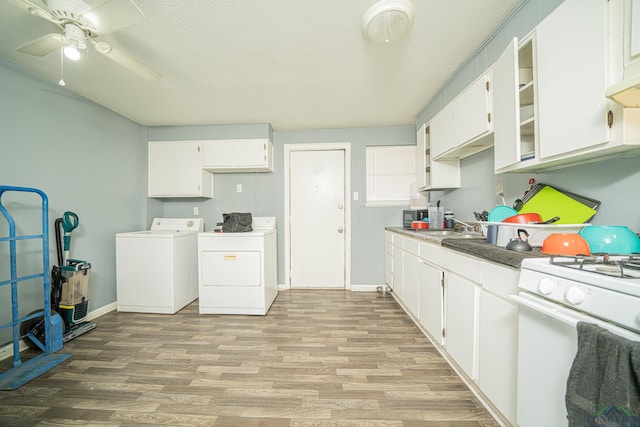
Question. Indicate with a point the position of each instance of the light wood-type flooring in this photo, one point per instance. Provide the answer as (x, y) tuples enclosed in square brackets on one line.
[(318, 358)]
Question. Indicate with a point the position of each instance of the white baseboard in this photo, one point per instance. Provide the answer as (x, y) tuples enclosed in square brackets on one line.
[(365, 288), (101, 311), (6, 351), (352, 287)]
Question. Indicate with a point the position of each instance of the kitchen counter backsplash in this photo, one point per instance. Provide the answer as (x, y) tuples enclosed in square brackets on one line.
[(473, 246)]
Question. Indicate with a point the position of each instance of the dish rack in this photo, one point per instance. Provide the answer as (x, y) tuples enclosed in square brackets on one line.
[(537, 232)]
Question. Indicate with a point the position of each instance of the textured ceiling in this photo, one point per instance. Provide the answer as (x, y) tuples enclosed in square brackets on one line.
[(297, 64)]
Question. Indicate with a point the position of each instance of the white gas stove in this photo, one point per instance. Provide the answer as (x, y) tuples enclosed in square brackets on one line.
[(606, 287), (555, 294)]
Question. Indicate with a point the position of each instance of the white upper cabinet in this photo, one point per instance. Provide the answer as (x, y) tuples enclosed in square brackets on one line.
[(441, 131), (464, 126), (549, 104), (423, 155), (512, 141), (433, 174), (571, 64), (175, 170), (238, 155), (624, 50), (472, 120)]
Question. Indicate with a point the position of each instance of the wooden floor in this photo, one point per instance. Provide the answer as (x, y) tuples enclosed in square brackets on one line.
[(318, 358)]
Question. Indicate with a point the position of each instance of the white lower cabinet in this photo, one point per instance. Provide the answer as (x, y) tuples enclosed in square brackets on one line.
[(411, 278), (497, 352), (463, 305), (388, 258), (498, 338), (410, 274), (461, 308), (431, 299), (397, 266)]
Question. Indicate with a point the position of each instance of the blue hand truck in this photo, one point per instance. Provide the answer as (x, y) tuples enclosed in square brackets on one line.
[(23, 372)]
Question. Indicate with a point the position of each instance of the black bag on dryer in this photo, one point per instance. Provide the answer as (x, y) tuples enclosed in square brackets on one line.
[(236, 222)]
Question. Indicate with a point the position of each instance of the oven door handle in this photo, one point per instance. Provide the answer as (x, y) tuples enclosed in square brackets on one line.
[(555, 314)]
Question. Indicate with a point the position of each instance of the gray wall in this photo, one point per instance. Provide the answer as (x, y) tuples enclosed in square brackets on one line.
[(263, 193), (87, 159)]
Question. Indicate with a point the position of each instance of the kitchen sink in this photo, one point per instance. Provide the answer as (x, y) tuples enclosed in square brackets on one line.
[(468, 235), (449, 233), (437, 232)]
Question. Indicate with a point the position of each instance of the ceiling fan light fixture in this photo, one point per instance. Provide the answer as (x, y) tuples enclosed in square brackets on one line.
[(75, 36), (71, 52), (387, 21)]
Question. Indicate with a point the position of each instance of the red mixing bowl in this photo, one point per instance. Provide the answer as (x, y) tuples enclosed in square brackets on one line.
[(524, 218), (565, 244)]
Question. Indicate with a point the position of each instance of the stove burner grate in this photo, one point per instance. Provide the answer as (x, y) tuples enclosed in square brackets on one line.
[(623, 266)]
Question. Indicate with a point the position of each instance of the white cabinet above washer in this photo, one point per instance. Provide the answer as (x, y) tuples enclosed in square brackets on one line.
[(175, 170), (238, 155)]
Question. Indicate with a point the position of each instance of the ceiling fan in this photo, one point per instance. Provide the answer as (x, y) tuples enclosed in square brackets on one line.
[(82, 23)]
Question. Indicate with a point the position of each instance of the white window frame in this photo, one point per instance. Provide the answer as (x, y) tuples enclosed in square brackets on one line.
[(389, 173)]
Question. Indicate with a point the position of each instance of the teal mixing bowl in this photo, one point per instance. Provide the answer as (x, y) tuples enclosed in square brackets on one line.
[(611, 239)]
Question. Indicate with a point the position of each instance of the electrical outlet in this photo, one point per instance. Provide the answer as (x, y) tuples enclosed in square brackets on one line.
[(239, 188), (196, 211)]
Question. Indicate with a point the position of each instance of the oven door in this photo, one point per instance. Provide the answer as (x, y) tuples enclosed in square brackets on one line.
[(547, 346)]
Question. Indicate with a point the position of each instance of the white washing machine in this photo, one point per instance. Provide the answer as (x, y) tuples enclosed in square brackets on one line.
[(157, 269), (238, 272)]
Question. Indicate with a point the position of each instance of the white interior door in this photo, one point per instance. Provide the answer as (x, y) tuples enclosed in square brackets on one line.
[(317, 230)]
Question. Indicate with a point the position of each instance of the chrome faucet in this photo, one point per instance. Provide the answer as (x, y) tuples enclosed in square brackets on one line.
[(467, 227)]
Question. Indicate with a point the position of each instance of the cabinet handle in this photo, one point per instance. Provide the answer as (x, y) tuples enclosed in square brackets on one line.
[(489, 117), (610, 119), (487, 86)]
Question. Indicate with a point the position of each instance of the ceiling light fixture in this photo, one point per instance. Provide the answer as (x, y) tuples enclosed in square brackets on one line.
[(387, 21), (74, 38), (71, 52)]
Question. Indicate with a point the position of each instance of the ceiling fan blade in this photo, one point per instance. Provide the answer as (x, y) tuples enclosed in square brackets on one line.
[(110, 15), (37, 8), (42, 46), (125, 60)]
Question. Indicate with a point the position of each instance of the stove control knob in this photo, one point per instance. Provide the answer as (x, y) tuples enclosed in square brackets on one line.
[(545, 286), (574, 295)]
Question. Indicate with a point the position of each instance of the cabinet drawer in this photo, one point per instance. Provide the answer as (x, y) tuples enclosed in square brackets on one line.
[(388, 237), (499, 279), (431, 253), (463, 265), (412, 246), (388, 248), (388, 262)]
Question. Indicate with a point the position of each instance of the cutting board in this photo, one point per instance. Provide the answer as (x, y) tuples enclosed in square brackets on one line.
[(549, 202)]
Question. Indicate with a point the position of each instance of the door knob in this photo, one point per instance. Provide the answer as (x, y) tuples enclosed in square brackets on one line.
[(340, 229), (340, 206)]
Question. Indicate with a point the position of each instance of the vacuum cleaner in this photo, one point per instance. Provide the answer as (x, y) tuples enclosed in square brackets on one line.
[(69, 289)]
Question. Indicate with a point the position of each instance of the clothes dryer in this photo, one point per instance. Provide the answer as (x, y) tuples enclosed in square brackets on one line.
[(238, 272)]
